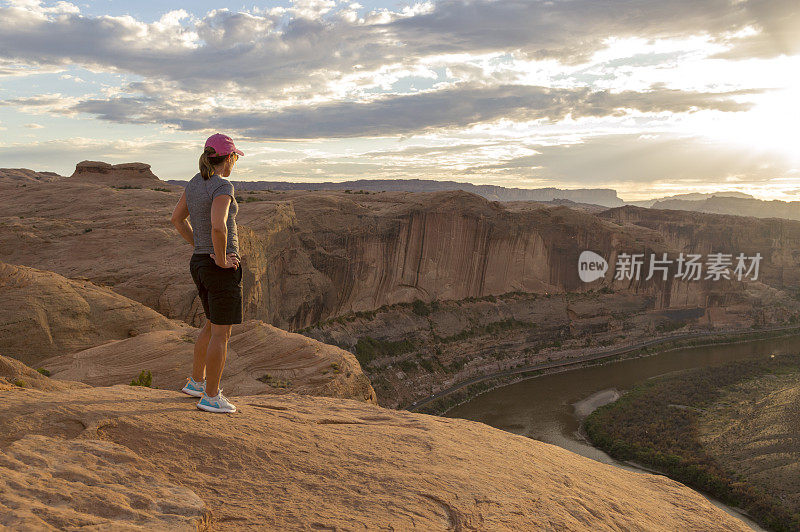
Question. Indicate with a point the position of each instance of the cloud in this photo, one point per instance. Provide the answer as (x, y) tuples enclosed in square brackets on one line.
[(121, 109), (316, 69), (630, 160), (40, 100), (776, 24), (42, 103), (459, 106), (571, 31), (311, 43)]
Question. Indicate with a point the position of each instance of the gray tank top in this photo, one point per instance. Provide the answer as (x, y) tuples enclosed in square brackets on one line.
[(199, 195)]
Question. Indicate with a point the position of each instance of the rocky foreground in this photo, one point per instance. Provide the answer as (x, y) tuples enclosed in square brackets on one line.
[(80, 331), (131, 458)]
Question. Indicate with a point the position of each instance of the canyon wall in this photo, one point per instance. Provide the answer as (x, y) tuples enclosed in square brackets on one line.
[(454, 245), (309, 256)]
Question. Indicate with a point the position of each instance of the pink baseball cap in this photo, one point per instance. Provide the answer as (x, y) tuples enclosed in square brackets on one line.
[(222, 144)]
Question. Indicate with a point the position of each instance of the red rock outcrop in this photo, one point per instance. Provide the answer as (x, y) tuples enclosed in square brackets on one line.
[(120, 175), (777, 240), (14, 373), (117, 238)]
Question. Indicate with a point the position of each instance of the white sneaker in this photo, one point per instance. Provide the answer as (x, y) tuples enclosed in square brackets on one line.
[(218, 403), (194, 388)]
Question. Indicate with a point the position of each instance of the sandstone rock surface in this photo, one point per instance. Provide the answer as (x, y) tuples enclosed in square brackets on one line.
[(43, 314), (56, 484), (116, 238), (25, 175), (90, 334), (14, 373), (260, 359), (298, 462)]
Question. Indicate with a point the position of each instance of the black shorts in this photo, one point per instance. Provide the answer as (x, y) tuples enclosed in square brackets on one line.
[(220, 289)]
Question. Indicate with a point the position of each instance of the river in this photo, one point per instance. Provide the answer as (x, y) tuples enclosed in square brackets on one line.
[(551, 407)]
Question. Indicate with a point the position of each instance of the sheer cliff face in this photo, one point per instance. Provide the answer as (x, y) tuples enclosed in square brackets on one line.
[(329, 255), (326, 255)]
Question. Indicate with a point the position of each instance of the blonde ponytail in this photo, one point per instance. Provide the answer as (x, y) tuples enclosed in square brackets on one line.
[(208, 161)]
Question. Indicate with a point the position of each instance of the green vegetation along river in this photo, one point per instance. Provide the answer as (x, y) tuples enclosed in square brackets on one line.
[(551, 408)]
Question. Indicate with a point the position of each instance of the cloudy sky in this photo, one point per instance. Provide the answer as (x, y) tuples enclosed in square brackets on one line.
[(650, 97)]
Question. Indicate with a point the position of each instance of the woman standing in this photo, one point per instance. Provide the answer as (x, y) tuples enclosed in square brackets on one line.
[(209, 203)]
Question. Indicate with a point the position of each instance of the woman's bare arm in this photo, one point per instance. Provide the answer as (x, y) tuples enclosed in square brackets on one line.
[(180, 219), (219, 232), (219, 225)]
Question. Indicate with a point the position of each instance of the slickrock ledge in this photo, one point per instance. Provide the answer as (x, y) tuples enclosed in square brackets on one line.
[(94, 335), (43, 314), (295, 462), (26, 175), (260, 359), (56, 484), (14, 373)]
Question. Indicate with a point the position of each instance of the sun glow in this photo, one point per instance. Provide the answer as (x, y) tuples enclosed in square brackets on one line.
[(772, 125)]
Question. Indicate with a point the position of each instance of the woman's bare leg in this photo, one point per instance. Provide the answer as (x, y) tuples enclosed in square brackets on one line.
[(200, 347), (215, 357)]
